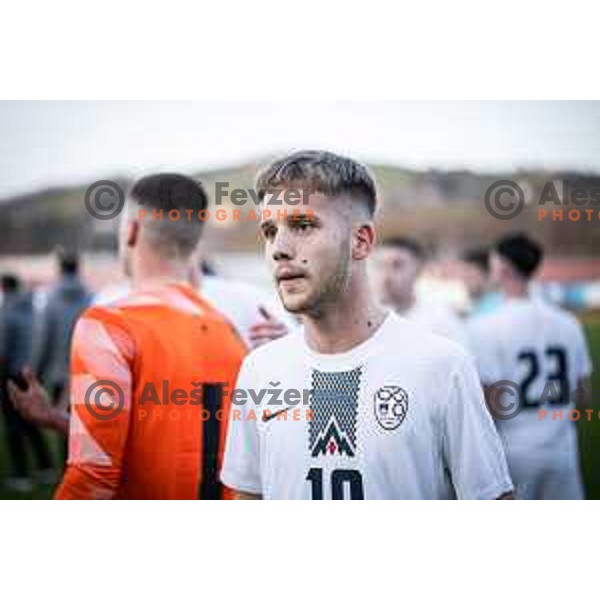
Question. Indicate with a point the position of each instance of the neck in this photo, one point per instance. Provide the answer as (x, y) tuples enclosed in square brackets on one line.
[(345, 324), (515, 288), (403, 305), (158, 271)]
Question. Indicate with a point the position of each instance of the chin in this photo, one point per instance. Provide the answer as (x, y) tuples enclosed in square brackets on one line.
[(294, 306), (295, 303)]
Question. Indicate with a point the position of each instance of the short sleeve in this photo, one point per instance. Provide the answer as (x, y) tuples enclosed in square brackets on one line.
[(472, 449), (241, 462)]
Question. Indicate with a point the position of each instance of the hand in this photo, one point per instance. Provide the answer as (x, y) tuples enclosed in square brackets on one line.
[(266, 330), (31, 403)]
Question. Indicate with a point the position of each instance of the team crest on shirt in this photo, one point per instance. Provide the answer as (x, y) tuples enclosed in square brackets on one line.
[(391, 406), (334, 401)]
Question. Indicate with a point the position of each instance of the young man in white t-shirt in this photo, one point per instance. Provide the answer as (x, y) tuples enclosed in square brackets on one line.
[(359, 403), (533, 360)]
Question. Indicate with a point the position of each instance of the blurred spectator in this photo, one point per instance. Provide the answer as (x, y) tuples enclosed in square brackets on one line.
[(477, 280), (534, 362), (398, 264), (16, 326), (65, 301)]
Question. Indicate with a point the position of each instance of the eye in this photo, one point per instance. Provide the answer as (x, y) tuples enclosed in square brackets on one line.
[(268, 232), (302, 224)]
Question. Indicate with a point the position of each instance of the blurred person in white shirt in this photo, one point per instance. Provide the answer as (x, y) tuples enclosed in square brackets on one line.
[(398, 262), (535, 366), (476, 277)]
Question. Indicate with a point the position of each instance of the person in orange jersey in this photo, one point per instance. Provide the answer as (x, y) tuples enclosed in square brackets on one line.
[(126, 440)]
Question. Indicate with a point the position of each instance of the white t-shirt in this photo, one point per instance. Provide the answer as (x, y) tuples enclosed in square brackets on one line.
[(438, 319), (401, 416), (237, 301), (536, 346)]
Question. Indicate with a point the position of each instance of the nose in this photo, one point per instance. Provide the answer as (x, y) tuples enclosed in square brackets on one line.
[(283, 247)]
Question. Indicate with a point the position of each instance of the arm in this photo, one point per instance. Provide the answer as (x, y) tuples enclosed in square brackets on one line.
[(33, 404), (40, 353), (102, 352)]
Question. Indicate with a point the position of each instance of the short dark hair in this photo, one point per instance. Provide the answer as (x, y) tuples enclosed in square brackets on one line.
[(405, 243), (68, 263), (172, 192), (320, 171), (480, 257), (169, 191), (523, 253)]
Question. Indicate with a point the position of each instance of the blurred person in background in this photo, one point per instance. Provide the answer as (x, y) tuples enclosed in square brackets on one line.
[(123, 444), (399, 261), (16, 325), (539, 352), (64, 303), (476, 277)]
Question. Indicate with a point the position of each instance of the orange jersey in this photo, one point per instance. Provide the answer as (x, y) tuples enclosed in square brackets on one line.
[(151, 377)]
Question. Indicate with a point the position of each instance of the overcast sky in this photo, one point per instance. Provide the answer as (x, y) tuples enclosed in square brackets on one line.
[(53, 143)]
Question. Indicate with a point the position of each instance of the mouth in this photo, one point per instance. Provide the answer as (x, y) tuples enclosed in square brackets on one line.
[(289, 277)]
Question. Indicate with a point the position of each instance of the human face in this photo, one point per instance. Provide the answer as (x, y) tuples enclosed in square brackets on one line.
[(396, 272), (499, 268), (310, 252), (475, 279)]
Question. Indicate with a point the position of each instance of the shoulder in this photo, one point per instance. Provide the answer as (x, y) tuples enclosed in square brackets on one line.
[(106, 315), (566, 318), (280, 350), (102, 328)]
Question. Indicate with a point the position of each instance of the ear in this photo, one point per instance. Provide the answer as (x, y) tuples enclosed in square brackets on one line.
[(133, 233), (363, 241)]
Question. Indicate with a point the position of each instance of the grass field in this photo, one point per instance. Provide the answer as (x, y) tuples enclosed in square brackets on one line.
[(589, 432)]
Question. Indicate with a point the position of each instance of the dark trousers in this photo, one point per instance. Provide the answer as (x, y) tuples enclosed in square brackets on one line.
[(19, 434)]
